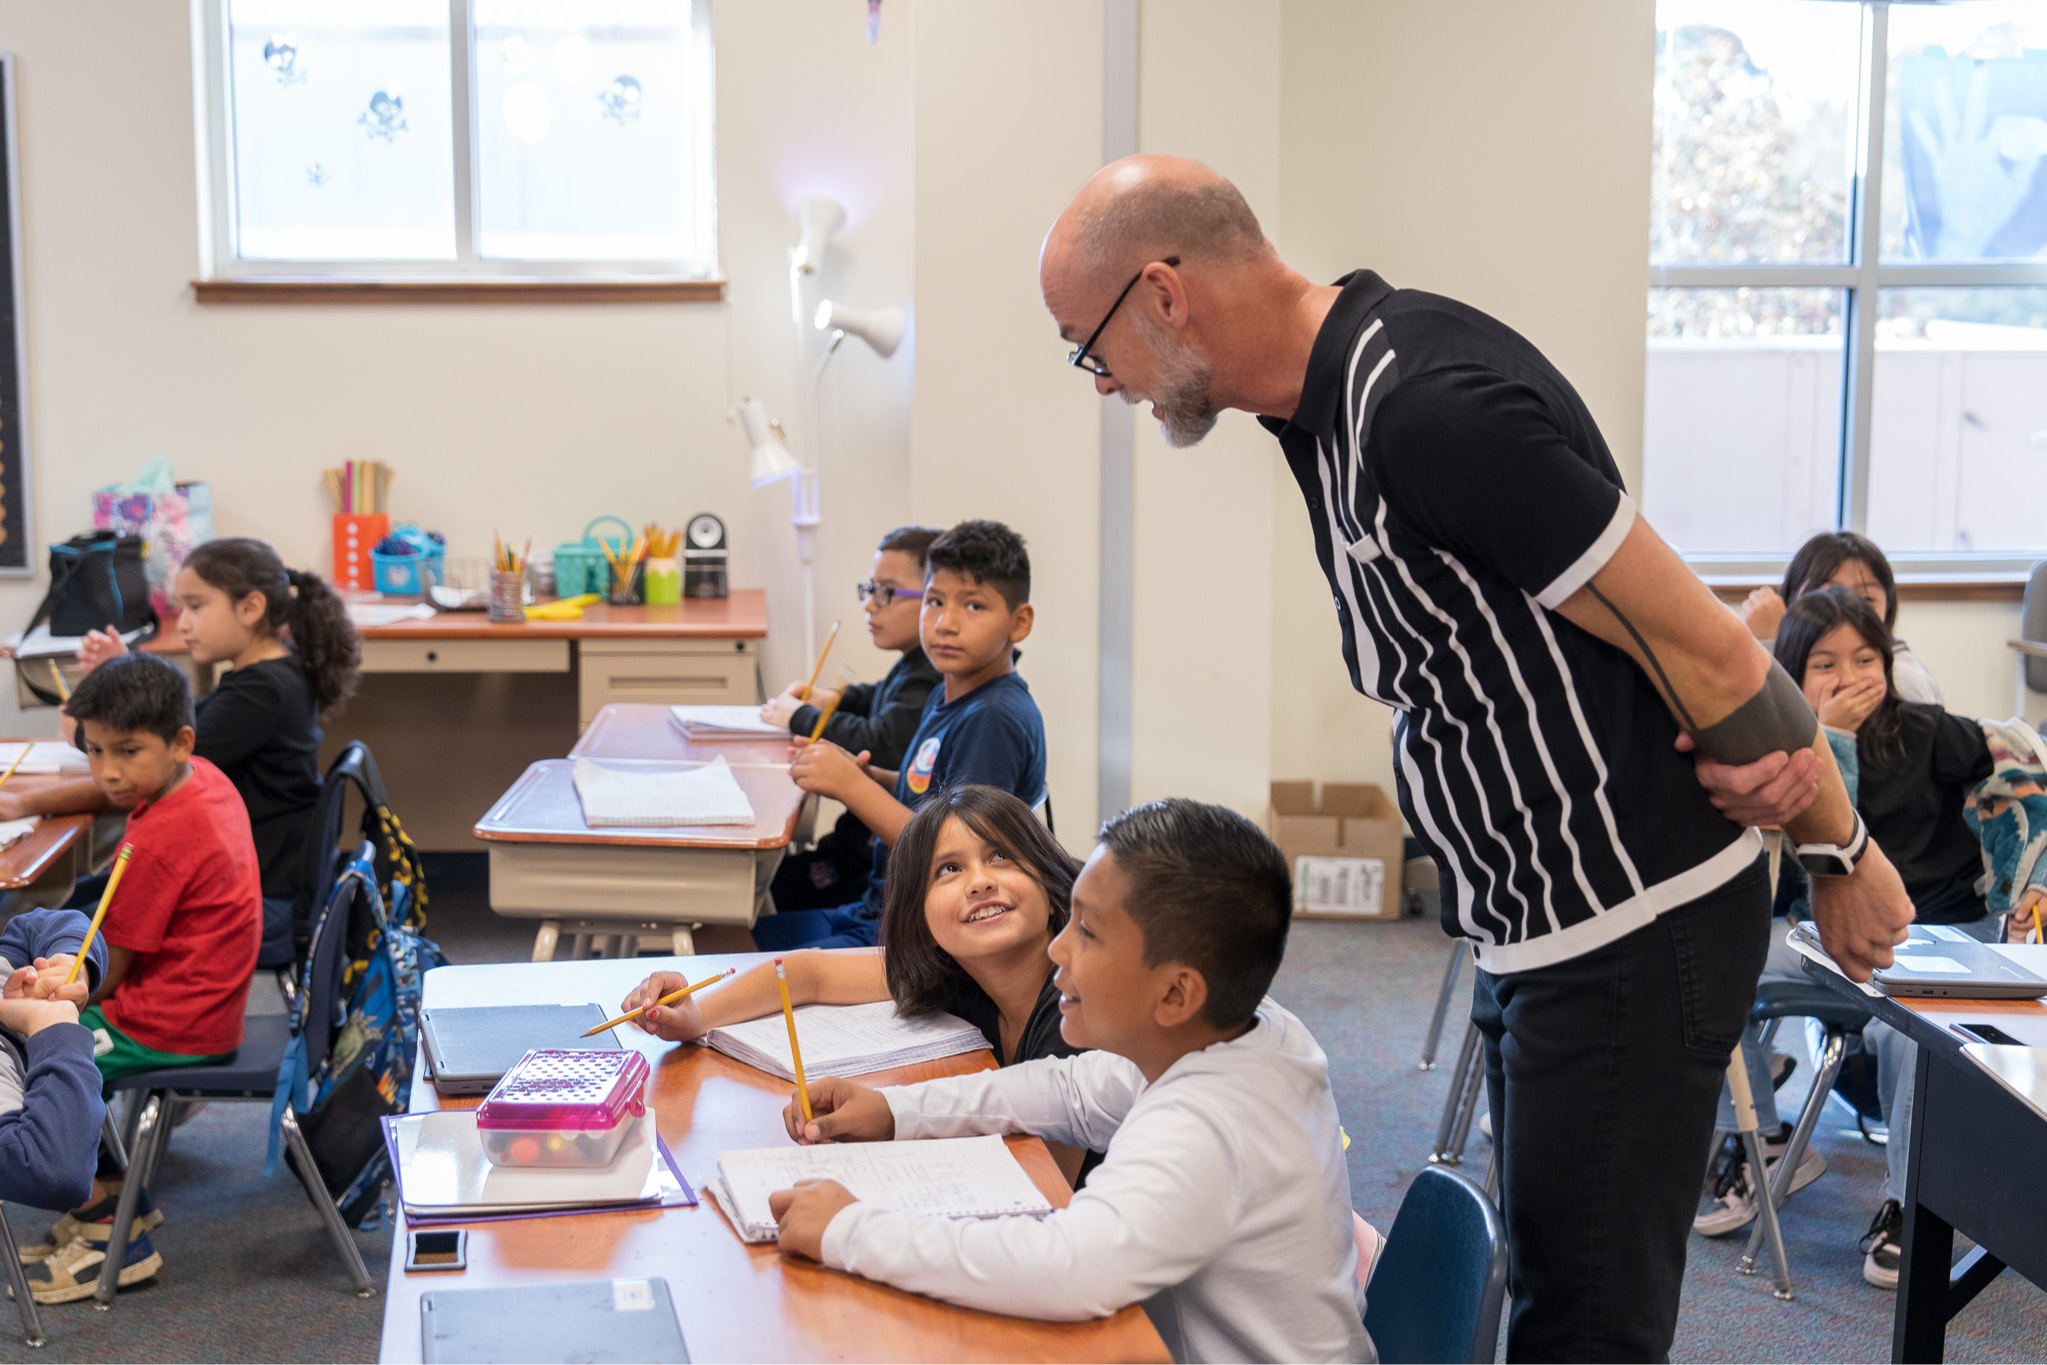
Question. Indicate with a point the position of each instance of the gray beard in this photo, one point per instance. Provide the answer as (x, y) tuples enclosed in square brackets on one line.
[(1180, 399)]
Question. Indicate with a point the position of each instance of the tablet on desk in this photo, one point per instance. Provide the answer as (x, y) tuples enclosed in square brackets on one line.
[(469, 1050)]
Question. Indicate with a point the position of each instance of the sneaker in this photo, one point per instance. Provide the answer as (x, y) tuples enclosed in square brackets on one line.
[(1734, 1201), (1883, 1246), (1782, 1064), (95, 1223), (73, 1272)]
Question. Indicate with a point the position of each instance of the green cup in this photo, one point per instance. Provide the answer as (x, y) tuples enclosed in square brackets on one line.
[(663, 583)]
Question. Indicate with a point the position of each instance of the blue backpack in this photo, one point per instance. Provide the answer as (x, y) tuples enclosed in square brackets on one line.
[(367, 1072)]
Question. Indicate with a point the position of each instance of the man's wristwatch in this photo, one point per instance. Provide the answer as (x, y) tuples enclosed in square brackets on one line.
[(1835, 860)]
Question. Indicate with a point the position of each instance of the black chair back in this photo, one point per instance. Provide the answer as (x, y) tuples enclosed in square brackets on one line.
[(352, 768), (328, 958), (1436, 1289)]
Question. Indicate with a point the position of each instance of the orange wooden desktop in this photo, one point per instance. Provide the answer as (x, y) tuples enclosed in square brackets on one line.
[(734, 1301), (59, 846)]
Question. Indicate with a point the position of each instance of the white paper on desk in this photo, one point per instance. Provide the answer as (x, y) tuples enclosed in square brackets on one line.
[(443, 1172), (45, 757), (724, 722), (40, 644), (13, 832), (380, 614), (661, 798), (976, 1177), (846, 1040)]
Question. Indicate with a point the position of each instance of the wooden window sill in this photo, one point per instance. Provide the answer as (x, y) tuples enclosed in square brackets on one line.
[(538, 289), (1998, 586)]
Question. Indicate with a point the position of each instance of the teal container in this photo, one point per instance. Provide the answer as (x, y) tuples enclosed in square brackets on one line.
[(580, 565)]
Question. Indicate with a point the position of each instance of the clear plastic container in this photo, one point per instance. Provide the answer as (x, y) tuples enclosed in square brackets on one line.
[(557, 1107)]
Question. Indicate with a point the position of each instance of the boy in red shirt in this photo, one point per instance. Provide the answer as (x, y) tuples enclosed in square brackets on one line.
[(184, 927)]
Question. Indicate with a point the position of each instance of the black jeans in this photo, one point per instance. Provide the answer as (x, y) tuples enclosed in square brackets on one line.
[(1603, 1073)]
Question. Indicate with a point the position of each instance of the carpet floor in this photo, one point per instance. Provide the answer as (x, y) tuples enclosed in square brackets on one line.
[(250, 1276)]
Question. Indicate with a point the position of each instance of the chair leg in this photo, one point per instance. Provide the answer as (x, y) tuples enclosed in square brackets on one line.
[(152, 1123), (1458, 1105), (309, 1176), (544, 940), (1428, 1062), (17, 1278), (1766, 1211), (1787, 1165)]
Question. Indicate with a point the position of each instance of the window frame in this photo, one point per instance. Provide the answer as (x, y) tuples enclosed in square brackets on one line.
[(1860, 280), (222, 267)]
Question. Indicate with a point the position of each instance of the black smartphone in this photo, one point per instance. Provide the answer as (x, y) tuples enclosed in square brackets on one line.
[(433, 1249), (1986, 1033)]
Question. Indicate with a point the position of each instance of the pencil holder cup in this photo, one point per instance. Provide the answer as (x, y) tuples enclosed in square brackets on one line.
[(661, 581), (625, 586), (508, 596)]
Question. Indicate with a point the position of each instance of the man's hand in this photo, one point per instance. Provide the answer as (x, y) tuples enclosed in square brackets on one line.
[(677, 1023), (1846, 707), (98, 646), (845, 1111), (1763, 612), (827, 769), (1863, 915), (1773, 789), (30, 1017), (803, 1213)]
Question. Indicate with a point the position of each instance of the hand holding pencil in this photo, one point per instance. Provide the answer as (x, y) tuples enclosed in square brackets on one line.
[(661, 1005)]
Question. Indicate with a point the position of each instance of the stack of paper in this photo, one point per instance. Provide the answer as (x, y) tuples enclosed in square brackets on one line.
[(13, 832), (443, 1173), (846, 1040), (724, 722), (661, 797), (974, 1177), (46, 756)]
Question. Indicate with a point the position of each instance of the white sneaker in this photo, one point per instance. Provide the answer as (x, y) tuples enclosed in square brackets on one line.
[(1734, 1202)]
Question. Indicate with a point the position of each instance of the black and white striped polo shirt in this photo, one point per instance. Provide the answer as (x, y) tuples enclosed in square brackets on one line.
[(1459, 492)]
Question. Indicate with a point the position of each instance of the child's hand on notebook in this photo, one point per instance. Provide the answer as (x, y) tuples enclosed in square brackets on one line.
[(676, 1023), (777, 709), (845, 1111), (827, 769), (804, 1212)]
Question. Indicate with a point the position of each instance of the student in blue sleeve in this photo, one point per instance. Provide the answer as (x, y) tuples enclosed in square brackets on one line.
[(981, 726)]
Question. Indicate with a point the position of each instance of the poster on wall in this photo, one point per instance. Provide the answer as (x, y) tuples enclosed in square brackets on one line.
[(17, 535)]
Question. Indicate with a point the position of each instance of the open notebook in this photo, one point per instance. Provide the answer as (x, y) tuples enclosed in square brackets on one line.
[(724, 722), (660, 798), (974, 1177), (45, 756), (846, 1040)]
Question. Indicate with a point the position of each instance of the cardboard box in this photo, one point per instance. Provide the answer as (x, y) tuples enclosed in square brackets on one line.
[(1350, 820)]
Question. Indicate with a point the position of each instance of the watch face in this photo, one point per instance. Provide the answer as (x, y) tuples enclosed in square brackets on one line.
[(706, 532)]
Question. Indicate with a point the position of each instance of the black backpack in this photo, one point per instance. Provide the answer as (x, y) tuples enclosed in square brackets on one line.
[(96, 581)]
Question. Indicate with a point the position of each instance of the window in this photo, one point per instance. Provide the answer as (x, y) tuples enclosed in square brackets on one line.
[(1847, 318), (450, 138)]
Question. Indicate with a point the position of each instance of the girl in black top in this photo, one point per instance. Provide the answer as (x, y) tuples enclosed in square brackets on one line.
[(289, 655), (977, 889)]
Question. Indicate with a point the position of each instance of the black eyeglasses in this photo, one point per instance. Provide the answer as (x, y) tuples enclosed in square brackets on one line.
[(1080, 354), (883, 594)]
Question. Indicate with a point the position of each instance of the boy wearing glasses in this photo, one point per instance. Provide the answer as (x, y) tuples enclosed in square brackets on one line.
[(877, 718), (981, 727)]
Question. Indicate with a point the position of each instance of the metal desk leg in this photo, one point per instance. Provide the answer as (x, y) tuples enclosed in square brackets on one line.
[(1919, 1332), (683, 940), (544, 941)]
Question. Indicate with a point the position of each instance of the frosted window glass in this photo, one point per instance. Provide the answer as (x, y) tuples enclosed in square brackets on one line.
[(341, 136)]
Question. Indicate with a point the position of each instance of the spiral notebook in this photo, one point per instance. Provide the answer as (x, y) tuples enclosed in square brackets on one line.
[(846, 1040), (976, 1177), (650, 797)]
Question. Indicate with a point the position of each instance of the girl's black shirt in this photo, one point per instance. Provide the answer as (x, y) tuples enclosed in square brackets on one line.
[(259, 726), (1913, 807)]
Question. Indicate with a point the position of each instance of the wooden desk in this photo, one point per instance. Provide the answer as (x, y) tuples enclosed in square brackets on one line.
[(734, 1301), (1960, 1174), (42, 865), (547, 864)]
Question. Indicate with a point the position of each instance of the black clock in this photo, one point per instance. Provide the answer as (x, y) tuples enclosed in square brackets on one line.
[(703, 557)]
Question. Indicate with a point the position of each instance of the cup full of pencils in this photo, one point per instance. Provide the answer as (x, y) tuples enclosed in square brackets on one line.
[(508, 582), (661, 579)]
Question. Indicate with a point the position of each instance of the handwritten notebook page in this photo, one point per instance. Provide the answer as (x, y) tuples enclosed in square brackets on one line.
[(974, 1177), (661, 798), (846, 1040)]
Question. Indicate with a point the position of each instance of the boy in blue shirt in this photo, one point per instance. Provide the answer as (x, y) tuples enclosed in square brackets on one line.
[(980, 726)]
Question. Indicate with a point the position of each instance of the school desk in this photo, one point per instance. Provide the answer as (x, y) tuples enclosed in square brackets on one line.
[(41, 866), (623, 884), (734, 1301), (1969, 1171)]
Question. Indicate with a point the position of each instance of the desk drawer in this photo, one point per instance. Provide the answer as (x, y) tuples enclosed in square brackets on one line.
[(465, 656), (660, 673)]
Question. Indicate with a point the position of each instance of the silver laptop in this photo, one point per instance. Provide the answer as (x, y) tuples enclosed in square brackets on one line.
[(1940, 961), (469, 1050)]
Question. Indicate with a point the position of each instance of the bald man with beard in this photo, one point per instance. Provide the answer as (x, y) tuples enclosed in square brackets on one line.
[(1585, 737)]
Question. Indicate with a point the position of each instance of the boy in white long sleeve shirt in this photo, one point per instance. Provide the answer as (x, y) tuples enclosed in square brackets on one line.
[(1223, 1202)]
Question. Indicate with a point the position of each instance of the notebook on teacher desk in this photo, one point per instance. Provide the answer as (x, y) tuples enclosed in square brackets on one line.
[(846, 1040), (975, 1177), (724, 722)]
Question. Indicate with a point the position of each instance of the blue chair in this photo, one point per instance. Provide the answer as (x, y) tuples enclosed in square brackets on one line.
[(248, 1075), (1436, 1290)]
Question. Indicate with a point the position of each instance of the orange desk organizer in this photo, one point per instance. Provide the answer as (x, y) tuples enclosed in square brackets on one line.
[(355, 533)]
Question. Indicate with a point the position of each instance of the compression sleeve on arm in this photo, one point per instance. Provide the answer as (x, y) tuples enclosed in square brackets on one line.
[(1776, 719)]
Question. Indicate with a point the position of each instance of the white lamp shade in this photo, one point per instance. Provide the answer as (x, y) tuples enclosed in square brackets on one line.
[(771, 460), (817, 218), (880, 328)]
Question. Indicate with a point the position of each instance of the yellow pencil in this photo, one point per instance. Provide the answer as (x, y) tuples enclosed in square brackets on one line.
[(818, 667), (665, 1000), (106, 899), (795, 1052), (26, 746), (2038, 935), (63, 688), (825, 716)]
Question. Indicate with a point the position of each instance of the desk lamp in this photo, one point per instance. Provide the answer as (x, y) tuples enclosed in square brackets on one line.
[(770, 462)]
